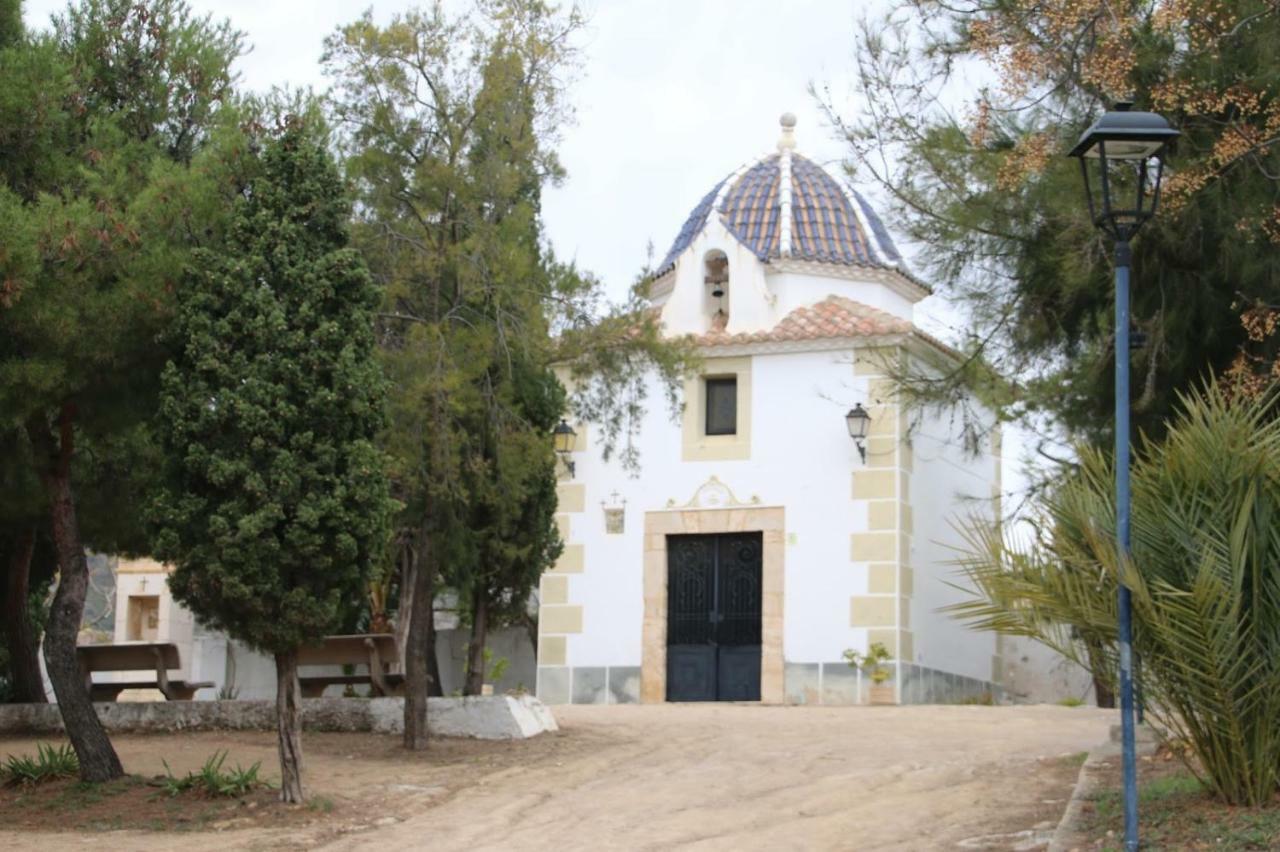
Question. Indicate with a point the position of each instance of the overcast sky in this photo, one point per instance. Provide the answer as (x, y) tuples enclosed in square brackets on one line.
[(673, 96)]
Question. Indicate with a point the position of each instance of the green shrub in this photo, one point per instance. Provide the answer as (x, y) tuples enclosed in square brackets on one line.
[(871, 662), (213, 780), (50, 762), (1204, 573)]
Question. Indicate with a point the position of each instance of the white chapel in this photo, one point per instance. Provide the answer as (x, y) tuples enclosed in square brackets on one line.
[(794, 513)]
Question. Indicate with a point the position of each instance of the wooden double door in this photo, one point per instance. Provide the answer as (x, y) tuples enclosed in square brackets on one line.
[(714, 585)]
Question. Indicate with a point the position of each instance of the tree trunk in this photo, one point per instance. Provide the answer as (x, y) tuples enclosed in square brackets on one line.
[(435, 687), (289, 726), (1103, 694), (408, 569), (22, 643), (98, 759), (475, 649), (530, 622), (416, 670)]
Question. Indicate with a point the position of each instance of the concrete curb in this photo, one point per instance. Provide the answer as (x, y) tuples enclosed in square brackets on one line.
[(1069, 835), (497, 717)]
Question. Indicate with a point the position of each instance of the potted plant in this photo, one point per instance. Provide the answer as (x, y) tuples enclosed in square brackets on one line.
[(872, 664)]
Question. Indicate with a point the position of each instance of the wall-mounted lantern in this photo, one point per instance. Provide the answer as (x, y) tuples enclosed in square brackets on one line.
[(565, 439), (858, 420)]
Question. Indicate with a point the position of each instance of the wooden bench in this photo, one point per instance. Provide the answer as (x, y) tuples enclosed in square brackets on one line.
[(135, 656), (376, 651)]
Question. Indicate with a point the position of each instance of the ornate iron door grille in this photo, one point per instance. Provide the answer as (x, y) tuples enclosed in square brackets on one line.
[(713, 617)]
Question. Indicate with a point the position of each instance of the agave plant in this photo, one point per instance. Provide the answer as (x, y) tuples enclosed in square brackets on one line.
[(1204, 573)]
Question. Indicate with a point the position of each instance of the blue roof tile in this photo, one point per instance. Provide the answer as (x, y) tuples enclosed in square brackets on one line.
[(825, 225)]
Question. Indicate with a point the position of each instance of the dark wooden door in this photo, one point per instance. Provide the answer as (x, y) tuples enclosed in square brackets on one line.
[(713, 617)]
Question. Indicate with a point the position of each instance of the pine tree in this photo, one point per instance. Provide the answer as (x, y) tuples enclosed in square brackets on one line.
[(276, 506), (967, 112), (99, 122)]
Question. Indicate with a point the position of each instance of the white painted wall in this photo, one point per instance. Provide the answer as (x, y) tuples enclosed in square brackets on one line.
[(796, 291), (801, 458), (758, 297), (947, 485), (689, 308)]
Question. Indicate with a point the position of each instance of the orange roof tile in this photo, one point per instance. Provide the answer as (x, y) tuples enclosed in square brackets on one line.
[(833, 317)]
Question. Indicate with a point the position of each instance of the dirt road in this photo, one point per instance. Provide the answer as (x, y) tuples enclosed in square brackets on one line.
[(687, 776)]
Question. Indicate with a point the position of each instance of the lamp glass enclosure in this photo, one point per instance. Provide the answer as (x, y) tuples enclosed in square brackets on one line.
[(565, 438), (857, 420), (1122, 162)]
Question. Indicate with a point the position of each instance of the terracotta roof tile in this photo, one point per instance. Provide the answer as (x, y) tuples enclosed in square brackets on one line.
[(833, 317)]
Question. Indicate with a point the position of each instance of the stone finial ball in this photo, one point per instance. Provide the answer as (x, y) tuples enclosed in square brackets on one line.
[(788, 120)]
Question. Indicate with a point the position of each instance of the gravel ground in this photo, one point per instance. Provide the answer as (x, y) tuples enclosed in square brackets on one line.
[(699, 776)]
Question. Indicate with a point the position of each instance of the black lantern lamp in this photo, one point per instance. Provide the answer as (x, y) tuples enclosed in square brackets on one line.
[(1122, 161), (565, 439), (858, 420)]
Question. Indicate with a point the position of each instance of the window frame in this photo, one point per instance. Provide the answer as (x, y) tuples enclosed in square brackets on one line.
[(708, 382)]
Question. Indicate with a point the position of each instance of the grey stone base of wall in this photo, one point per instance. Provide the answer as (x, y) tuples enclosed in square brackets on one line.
[(805, 683), (837, 683), (589, 684), (498, 717), (923, 685)]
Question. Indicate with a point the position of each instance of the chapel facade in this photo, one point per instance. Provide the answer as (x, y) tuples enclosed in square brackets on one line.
[(761, 540)]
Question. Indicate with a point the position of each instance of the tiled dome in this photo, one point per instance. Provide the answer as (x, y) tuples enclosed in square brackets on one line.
[(828, 222)]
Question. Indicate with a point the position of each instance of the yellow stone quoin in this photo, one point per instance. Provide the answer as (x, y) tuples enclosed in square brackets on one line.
[(571, 497), (874, 547), (875, 484), (571, 561), (872, 610), (560, 619), (552, 650), (554, 589)]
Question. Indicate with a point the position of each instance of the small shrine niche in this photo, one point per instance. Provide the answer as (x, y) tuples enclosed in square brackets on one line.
[(615, 514)]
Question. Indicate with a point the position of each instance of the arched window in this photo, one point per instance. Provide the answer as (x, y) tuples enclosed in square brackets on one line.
[(716, 277)]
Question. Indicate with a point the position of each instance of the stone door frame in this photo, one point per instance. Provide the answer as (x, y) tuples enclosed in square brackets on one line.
[(770, 522)]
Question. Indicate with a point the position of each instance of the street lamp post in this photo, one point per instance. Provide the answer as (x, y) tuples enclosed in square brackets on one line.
[(1123, 154)]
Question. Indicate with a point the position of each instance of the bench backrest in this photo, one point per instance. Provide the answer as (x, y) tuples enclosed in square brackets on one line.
[(138, 656), (348, 650)]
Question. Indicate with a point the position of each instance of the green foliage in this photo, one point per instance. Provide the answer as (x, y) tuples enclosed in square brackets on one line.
[(99, 121), (106, 184), (1070, 701), (476, 307), (275, 504), (1206, 596), (214, 781), (11, 29), (49, 764), (494, 668), (871, 662), (1176, 814), (979, 176)]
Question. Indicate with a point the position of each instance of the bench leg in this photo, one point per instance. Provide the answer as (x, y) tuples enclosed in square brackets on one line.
[(376, 679), (105, 692), (314, 690)]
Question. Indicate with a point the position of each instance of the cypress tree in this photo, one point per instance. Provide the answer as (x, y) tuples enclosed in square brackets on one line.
[(275, 507)]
